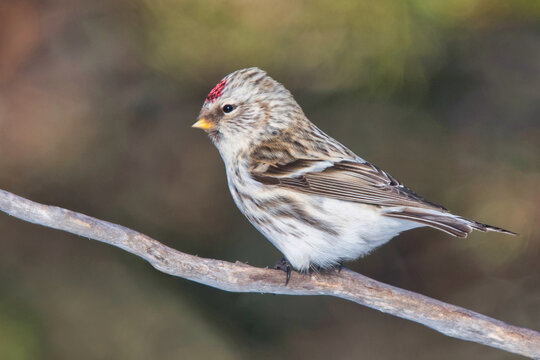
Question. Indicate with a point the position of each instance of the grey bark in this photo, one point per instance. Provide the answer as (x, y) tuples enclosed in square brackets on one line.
[(448, 319)]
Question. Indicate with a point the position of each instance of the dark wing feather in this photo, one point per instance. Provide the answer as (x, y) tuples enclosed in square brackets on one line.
[(344, 180), (364, 183)]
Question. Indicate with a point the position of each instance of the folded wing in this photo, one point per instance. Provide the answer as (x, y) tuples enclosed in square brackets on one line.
[(362, 182)]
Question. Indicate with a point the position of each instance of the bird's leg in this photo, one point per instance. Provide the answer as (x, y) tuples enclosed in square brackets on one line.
[(318, 269), (284, 265)]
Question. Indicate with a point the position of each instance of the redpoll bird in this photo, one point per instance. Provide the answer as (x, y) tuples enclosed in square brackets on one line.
[(315, 200)]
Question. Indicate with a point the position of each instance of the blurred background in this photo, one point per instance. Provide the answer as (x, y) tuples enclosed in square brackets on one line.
[(96, 102)]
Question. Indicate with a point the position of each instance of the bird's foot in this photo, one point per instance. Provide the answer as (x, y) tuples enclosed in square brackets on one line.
[(318, 269), (284, 265)]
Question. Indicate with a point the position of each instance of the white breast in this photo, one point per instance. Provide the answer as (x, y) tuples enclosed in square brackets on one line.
[(309, 229)]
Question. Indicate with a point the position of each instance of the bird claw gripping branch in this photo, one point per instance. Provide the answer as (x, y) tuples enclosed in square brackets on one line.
[(284, 265)]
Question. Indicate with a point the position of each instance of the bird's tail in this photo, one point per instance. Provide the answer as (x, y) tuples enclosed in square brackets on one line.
[(444, 221)]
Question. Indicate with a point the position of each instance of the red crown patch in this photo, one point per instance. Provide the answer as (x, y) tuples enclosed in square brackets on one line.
[(216, 91)]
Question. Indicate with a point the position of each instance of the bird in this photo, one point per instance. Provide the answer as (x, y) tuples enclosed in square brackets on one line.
[(315, 200)]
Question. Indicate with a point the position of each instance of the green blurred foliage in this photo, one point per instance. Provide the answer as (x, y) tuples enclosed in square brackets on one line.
[(19, 336), (379, 45), (96, 103)]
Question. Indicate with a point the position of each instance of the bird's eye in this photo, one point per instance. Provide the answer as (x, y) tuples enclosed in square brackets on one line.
[(228, 108)]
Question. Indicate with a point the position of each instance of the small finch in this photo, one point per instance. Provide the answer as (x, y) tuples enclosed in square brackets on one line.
[(315, 200)]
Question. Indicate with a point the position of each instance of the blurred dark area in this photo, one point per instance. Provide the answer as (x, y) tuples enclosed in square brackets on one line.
[(96, 103)]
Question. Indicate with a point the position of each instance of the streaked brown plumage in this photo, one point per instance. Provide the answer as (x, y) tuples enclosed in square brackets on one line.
[(313, 198)]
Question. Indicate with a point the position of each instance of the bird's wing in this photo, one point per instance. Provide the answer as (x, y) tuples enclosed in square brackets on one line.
[(361, 182), (347, 180)]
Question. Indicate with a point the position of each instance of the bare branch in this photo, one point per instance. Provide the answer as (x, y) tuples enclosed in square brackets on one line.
[(448, 319)]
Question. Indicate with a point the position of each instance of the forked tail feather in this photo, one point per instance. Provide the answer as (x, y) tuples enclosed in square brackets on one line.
[(444, 221)]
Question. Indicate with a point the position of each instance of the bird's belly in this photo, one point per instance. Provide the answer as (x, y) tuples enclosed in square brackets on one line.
[(313, 230)]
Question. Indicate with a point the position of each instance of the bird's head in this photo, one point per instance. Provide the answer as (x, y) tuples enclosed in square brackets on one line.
[(245, 108)]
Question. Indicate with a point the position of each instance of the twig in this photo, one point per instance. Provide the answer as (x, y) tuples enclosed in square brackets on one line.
[(448, 319)]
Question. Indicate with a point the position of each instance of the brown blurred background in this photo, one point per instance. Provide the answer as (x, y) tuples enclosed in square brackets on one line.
[(96, 103)]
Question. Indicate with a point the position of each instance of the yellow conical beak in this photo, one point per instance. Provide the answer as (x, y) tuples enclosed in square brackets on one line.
[(203, 123)]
